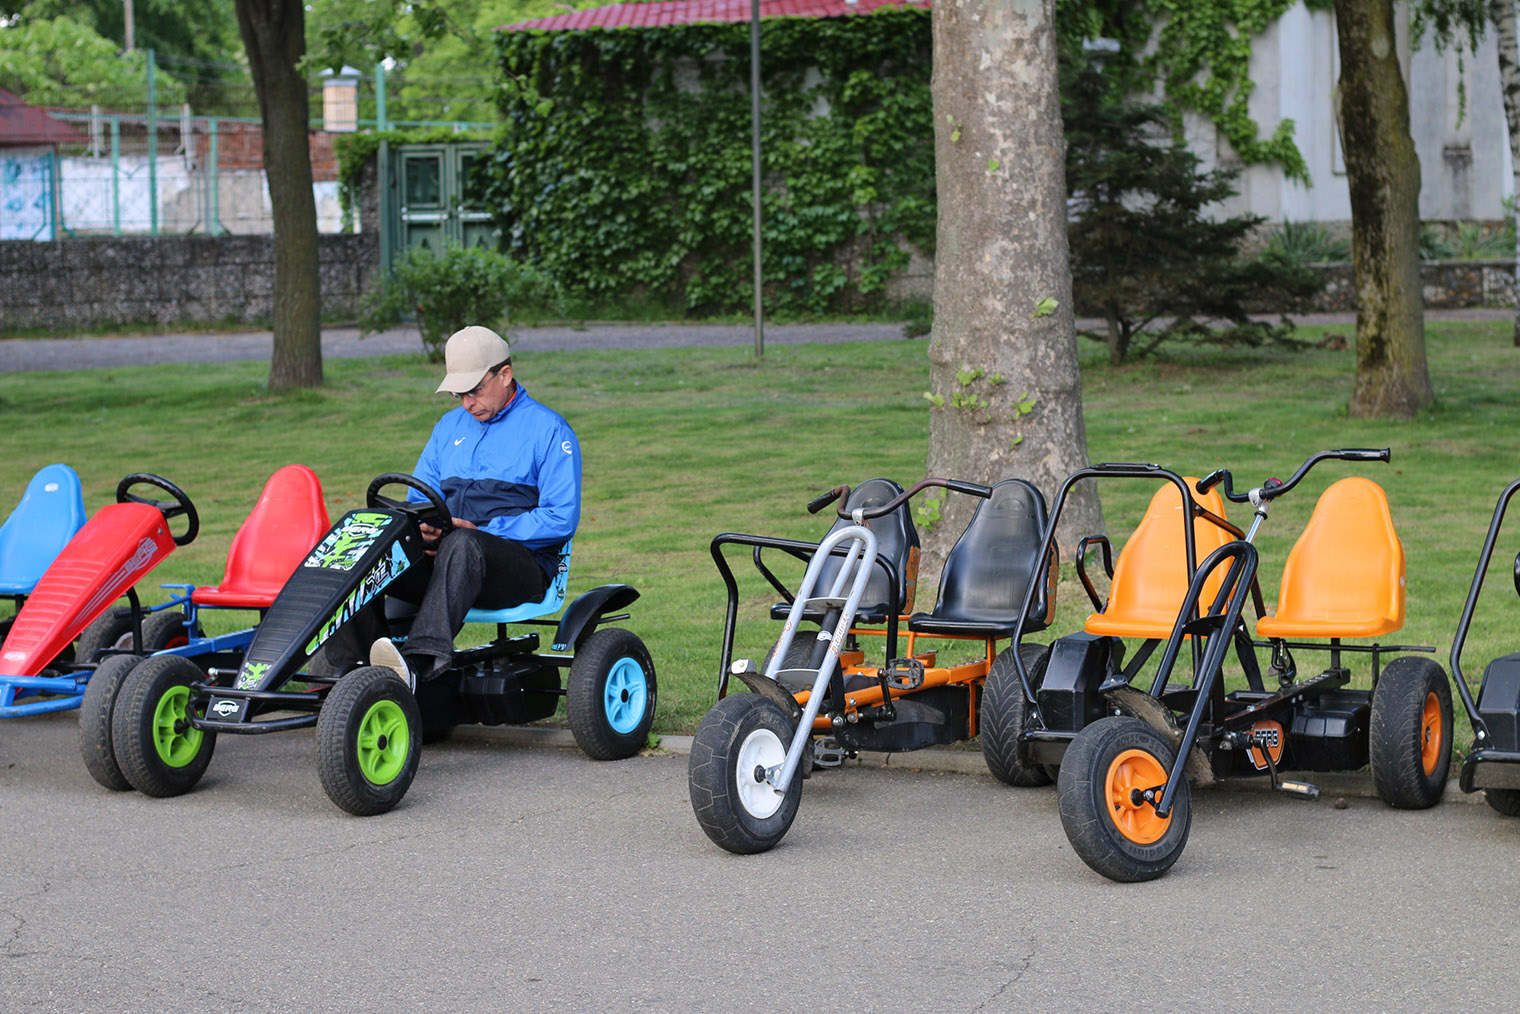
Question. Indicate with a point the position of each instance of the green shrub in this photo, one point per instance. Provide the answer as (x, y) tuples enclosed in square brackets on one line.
[(1297, 243), (450, 290)]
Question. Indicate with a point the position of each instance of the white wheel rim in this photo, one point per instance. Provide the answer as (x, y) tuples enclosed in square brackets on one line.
[(760, 750)]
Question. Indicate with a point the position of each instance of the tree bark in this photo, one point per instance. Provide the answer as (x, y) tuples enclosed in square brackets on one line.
[(1502, 14), (274, 34), (1383, 173), (1005, 385)]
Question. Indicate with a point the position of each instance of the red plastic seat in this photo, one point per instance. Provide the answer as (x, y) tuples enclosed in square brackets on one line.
[(1345, 575), (289, 518), (1151, 576)]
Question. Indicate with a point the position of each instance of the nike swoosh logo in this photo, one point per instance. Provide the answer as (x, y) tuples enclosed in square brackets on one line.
[(460, 441)]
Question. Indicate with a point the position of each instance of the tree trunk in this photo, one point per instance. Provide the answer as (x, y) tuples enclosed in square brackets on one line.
[(274, 33), (1383, 172), (1003, 353), (1502, 14)]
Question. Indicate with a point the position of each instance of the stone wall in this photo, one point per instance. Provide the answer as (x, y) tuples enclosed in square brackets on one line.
[(1447, 285), (170, 281)]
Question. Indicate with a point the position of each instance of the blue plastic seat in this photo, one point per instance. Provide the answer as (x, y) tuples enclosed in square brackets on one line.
[(50, 512), (552, 602)]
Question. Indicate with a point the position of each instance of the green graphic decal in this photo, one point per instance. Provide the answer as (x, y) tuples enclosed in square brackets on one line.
[(251, 674), (382, 574), (342, 548)]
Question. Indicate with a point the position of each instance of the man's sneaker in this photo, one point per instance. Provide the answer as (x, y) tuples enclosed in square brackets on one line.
[(385, 653)]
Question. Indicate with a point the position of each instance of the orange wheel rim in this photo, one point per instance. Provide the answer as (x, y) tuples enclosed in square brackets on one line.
[(1129, 775), (1430, 734)]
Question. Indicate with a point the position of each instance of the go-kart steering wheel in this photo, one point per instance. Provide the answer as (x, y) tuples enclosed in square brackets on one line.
[(434, 512), (170, 508)]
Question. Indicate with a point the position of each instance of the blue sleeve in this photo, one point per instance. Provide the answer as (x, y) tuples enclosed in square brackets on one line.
[(427, 468), (558, 461)]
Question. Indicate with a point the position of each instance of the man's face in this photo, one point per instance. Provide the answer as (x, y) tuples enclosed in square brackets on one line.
[(489, 395)]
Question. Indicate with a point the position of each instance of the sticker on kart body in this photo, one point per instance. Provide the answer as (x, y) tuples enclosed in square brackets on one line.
[(228, 708), (141, 560), (343, 547), (385, 570), (250, 674), (1272, 734)]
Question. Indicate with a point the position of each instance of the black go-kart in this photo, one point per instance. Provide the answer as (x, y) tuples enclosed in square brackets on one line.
[(369, 727), (1493, 763), (1126, 754)]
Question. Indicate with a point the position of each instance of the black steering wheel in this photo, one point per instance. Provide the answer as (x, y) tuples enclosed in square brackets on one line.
[(169, 508), (435, 512)]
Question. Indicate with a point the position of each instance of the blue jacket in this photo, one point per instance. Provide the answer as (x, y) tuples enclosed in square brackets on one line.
[(517, 476)]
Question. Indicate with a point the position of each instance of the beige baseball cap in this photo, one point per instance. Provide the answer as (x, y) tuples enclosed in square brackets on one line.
[(469, 354)]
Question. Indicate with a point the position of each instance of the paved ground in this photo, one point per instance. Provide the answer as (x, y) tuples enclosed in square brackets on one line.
[(532, 879), (18, 355)]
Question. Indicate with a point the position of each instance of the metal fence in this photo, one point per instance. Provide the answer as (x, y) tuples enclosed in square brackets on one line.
[(150, 176)]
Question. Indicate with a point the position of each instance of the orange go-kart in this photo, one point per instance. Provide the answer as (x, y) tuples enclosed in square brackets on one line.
[(817, 698), (1129, 741)]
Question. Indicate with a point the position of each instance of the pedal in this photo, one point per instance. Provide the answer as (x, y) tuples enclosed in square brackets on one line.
[(903, 674), (1299, 790), (827, 753)]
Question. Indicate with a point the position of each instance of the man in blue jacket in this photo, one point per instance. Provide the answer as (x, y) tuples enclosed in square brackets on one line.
[(510, 471)]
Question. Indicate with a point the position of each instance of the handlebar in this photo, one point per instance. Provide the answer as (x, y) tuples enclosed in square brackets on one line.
[(1271, 489), (842, 494)]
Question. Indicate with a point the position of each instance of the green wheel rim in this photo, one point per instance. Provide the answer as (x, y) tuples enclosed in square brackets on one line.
[(384, 740), (176, 741)]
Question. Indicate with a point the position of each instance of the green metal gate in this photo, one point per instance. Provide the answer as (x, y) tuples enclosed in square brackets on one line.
[(431, 197)]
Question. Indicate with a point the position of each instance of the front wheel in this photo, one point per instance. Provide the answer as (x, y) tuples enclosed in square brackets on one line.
[(737, 742), (112, 630), (611, 695), (369, 738), (1111, 777), (96, 744), (1004, 715), (1409, 736), (159, 750)]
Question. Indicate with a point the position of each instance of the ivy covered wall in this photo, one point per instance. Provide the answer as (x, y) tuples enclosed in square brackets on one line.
[(623, 164)]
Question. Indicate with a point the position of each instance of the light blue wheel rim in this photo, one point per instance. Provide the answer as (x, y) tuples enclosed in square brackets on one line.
[(625, 695)]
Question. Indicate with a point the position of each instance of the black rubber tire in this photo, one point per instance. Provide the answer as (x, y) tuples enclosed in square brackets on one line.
[(1408, 771), (1095, 834), (1004, 712), (366, 701), (738, 726), (158, 752), (611, 694), (96, 744), (1505, 801), (105, 631), (113, 629)]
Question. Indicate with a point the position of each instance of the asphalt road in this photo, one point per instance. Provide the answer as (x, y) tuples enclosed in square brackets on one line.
[(523, 879)]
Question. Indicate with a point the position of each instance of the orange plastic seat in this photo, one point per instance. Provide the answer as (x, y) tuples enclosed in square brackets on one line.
[(1345, 575), (1151, 576), (289, 518)]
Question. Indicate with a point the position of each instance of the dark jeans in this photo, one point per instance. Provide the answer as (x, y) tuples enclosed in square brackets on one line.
[(472, 568)]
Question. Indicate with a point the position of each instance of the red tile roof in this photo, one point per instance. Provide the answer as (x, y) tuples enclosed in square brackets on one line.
[(690, 12), (21, 124)]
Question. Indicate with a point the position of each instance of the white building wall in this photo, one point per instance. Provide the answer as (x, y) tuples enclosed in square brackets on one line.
[(1464, 159)]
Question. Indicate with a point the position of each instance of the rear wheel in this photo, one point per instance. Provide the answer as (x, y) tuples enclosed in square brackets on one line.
[(738, 741), (1505, 801), (96, 744), (610, 696), (369, 738), (1004, 714), (158, 749), (112, 630), (1409, 737), (1112, 775)]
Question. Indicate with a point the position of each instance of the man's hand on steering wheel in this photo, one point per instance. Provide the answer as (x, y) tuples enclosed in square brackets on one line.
[(431, 534)]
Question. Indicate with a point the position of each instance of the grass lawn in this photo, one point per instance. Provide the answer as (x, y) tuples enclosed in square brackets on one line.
[(683, 444)]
